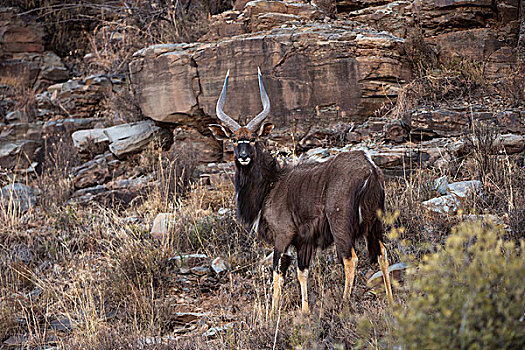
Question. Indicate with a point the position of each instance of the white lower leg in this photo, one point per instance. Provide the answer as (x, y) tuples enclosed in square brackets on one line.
[(302, 276), (383, 264), (277, 285), (350, 266)]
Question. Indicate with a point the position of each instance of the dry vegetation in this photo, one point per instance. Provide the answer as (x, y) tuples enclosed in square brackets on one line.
[(93, 277), (444, 80)]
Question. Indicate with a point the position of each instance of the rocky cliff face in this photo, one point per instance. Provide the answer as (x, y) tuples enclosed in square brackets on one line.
[(333, 79), (320, 73), (317, 75)]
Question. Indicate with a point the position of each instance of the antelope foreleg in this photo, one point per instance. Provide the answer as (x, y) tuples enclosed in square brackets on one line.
[(302, 276), (350, 268), (277, 286)]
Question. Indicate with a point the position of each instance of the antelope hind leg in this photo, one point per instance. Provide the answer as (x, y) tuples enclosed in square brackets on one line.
[(383, 264), (350, 268)]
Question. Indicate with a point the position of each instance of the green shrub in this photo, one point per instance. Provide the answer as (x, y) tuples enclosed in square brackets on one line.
[(468, 295)]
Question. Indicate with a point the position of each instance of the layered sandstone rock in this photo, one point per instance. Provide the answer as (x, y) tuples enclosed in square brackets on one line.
[(258, 15), (316, 75), (19, 34), (427, 122), (482, 31), (395, 17), (326, 79), (350, 5), (23, 62)]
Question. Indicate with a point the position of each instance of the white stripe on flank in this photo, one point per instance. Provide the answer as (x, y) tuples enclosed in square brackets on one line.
[(255, 225), (364, 185), (362, 190)]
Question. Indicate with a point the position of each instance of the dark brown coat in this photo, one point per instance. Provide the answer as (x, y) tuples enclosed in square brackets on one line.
[(312, 204)]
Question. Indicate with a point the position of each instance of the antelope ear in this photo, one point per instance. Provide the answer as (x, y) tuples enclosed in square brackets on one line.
[(219, 132), (265, 129)]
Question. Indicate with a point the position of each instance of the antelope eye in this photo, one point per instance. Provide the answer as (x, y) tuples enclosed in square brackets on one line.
[(252, 140), (234, 140)]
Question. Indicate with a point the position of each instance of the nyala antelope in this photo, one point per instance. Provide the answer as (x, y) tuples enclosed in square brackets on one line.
[(307, 206)]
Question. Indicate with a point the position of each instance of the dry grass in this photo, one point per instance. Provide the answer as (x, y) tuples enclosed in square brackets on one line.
[(102, 273), (441, 81)]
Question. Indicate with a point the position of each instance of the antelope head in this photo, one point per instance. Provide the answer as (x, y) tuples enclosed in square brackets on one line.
[(243, 137)]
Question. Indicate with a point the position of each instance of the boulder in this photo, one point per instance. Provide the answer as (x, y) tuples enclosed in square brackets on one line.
[(89, 140), (18, 155), (96, 172), (441, 185), (463, 188), (511, 143), (163, 225), (166, 82), (128, 138), (123, 139), (219, 265), (443, 205), (16, 198), (22, 131), (457, 192), (427, 123)]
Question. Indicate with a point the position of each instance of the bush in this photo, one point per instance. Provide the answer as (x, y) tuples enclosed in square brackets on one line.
[(470, 294)]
